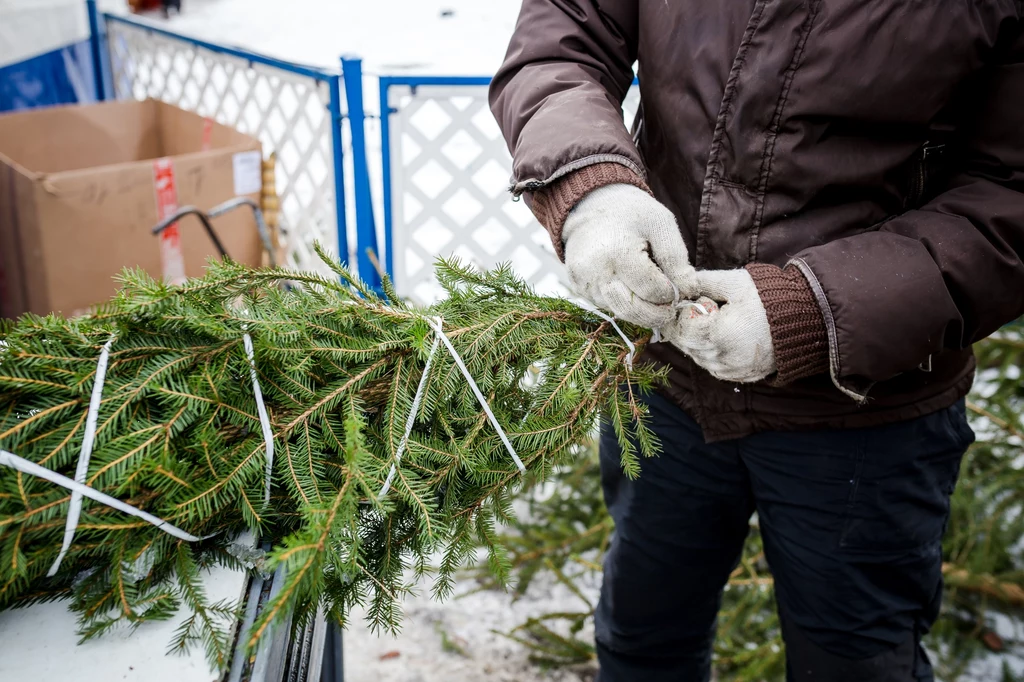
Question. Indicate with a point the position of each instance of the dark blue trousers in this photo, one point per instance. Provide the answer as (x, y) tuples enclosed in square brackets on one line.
[(852, 524)]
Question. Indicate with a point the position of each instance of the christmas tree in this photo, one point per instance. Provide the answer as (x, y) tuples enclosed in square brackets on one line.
[(354, 434)]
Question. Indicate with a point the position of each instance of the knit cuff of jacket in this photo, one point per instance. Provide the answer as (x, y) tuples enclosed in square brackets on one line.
[(798, 330), (552, 204)]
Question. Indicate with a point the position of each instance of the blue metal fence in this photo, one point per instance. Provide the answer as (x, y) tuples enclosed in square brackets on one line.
[(460, 153), (446, 174), (386, 83)]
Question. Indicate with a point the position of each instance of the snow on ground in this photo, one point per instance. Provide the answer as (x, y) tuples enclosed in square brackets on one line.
[(449, 37), (458, 641)]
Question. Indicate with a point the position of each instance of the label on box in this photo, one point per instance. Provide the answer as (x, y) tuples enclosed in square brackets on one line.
[(171, 260), (207, 134), (248, 173)]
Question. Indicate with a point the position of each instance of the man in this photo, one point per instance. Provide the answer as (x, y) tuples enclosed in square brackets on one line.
[(846, 179)]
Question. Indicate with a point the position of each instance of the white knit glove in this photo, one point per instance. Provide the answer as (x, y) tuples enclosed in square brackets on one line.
[(734, 342), (624, 251)]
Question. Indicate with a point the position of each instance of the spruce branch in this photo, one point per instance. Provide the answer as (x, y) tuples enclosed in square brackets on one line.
[(179, 436)]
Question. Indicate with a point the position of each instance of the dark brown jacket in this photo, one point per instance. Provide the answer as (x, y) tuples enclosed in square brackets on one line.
[(800, 132)]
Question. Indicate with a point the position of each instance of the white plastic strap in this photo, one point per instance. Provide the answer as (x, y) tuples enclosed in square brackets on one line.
[(625, 339), (80, 490), (268, 434), (436, 324), (11, 460), (699, 307), (411, 421), (587, 305), (92, 417), (678, 305)]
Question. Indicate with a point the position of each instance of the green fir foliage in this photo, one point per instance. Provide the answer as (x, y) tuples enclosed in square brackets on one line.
[(179, 436)]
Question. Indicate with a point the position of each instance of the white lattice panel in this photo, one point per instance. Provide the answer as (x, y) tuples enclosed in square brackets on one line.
[(450, 173), (288, 112)]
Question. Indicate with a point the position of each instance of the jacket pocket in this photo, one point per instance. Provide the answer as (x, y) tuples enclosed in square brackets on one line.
[(927, 172)]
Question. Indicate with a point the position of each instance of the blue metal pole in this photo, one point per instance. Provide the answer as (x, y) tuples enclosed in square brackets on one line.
[(385, 146), (96, 49), (334, 83), (366, 231)]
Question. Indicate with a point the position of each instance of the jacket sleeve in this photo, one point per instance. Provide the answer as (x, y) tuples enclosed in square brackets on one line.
[(947, 274), (558, 96)]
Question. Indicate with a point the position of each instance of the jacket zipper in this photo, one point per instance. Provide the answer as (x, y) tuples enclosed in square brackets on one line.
[(916, 184), (919, 179)]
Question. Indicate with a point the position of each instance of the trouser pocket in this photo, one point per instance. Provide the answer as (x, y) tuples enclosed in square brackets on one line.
[(901, 490), (852, 523), (807, 662)]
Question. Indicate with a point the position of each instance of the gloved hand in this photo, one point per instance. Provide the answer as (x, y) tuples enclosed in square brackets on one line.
[(624, 251), (734, 342)]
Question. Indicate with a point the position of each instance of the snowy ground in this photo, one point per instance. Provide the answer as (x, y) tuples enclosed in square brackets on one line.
[(449, 37), (458, 641)]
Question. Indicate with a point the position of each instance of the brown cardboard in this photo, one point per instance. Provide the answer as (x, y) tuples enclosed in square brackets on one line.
[(77, 200)]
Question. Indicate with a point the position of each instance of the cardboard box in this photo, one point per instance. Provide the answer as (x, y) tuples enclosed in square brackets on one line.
[(78, 198)]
